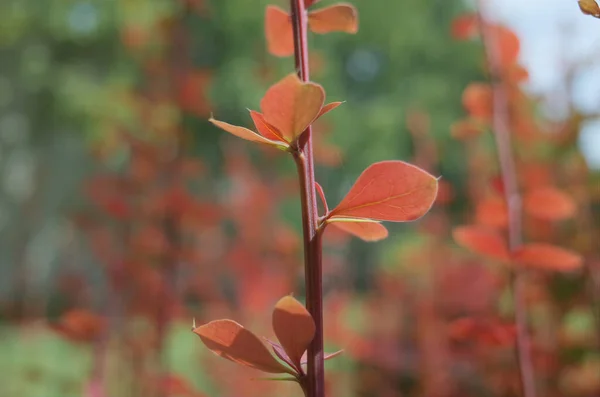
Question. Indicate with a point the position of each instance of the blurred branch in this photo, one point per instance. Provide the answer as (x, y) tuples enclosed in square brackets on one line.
[(501, 128)]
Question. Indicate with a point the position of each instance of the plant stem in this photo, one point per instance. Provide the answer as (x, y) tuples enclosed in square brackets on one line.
[(501, 127), (315, 376)]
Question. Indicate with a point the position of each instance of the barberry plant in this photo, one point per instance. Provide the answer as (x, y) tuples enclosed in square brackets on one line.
[(496, 106), (392, 191)]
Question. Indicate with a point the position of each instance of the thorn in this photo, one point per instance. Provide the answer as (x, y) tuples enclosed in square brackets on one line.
[(193, 323)]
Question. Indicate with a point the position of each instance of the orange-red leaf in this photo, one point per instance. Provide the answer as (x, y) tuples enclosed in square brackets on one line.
[(389, 191), (336, 18), (278, 32), (466, 129), (482, 240), (549, 203), (546, 256), (308, 3), (477, 101), (328, 108), (265, 129), (492, 212), (230, 340), (365, 229), (244, 133), (291, 105), (464, 27), (507, 43), (294, 327)]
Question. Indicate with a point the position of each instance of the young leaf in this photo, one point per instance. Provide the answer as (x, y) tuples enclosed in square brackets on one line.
[(230, 340), (336, 18), (278, 32), (280, 353), (294, 327), (292, 105), (245, 133), (365, 229), (549, 203), (546, 256), (264, 128), (328, 108), (321, 193), (325, 358), (482, 241), (392, 191)]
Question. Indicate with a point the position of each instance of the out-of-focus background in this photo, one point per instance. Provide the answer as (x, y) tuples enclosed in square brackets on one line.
[(124, 213)]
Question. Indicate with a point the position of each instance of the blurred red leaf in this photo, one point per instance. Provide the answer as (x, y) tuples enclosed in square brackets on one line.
[(466, 129), (294, 327), (230, 340), (508, 44), (477, 101), (482, 240), (365, 229), (278, 32), (492, 212), (291, 105), (549, 203), (192, 93), (464, 27), (546, 256), (80, 325), (335, 18), (389, 191)]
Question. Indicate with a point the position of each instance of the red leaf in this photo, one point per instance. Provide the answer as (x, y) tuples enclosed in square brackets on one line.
[(466, 129), (265, 129), (280, 352), (230, 340), (336, 18), (294, 327), (278, 32), (507, 42), (482, 241), (308, 3), (245, 133), (549, 203), (389, 191), (464, 27), (546, 256), (492, 212), (477, 101), (365, 229), (291, 105), (328, 108), (80, 325)]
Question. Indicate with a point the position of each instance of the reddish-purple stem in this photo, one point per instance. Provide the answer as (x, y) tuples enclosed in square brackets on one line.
[(501, 127), (314, 385)]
